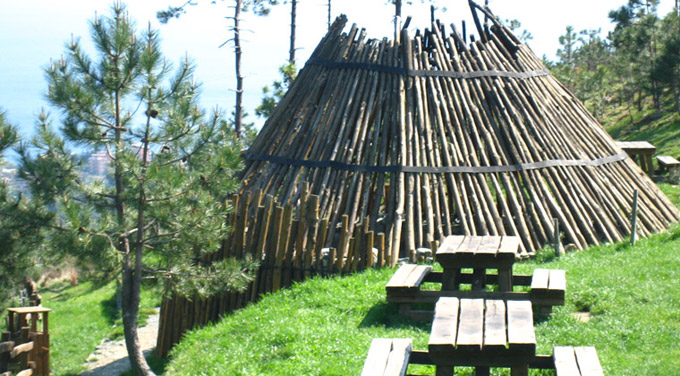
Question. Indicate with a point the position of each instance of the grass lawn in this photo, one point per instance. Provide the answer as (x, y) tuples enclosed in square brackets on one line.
[(81, 317), (325, 326)]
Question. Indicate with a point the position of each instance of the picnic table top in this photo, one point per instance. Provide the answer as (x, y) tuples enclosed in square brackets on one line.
[(482, 332), (21, 310), (491, 251), (642, 147)]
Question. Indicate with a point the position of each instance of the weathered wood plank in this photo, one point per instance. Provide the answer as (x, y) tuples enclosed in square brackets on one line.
[(471, 325), (520, 324), (588, 362), (558, 280), (397, 364), (565, 361), (20, 349), (377, 357), (450, 244), (489, 245), (494, 324), (540, 279), (399, 277), (444, 325)]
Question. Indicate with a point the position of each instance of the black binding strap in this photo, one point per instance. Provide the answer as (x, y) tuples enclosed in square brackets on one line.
[(436, 170), (425, 73)]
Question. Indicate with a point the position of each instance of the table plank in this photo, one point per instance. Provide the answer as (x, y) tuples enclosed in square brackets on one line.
[(444, 325), (509, 244), (450, 244), (489, 245), (470, 244), (471, 325), (494, 324), (521, 325)]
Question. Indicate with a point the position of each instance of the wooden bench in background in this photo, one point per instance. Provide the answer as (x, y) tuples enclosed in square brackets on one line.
[(670, 164), (405, 288), (576, 361), (387, 357)]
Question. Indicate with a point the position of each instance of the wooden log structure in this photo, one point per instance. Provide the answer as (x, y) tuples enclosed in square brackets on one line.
[(398, 144)]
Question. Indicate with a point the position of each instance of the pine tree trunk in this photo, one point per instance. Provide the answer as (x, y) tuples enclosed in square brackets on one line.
[(238, 109), (293, 15), (132, 278), (131, 298)]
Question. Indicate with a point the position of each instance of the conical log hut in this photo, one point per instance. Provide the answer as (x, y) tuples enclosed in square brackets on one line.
[(413, 140)]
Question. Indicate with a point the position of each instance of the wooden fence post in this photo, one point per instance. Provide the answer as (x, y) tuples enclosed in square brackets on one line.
[(634, 218), (5, 347)]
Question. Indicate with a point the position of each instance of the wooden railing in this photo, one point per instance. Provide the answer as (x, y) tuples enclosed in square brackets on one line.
[(25, 352)]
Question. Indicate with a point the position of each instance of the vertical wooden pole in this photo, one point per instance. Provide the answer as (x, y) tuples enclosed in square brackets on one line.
[(4, 357), (634, 218), (556, 237)]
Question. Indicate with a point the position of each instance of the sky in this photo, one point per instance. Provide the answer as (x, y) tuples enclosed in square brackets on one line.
[(34, 31)]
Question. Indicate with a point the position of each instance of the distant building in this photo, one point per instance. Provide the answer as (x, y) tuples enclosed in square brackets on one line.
[(98, 164), (9, 177)]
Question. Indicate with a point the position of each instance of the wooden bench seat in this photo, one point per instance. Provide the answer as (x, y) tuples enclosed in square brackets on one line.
[(548, 287), (670, 164), (576, 361), (408, 278), (387, 357)]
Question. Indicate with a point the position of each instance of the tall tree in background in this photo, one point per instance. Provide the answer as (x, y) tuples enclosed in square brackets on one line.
[(259, 7), (22, 227), (634, 38), (667, 65), (169, 164)]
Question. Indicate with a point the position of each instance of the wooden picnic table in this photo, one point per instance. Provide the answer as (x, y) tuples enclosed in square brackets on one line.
[(641, 152), (480, 253), (482, 333)]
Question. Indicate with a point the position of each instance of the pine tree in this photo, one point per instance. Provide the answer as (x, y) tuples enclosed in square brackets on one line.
[(170, 168), (22, 224)]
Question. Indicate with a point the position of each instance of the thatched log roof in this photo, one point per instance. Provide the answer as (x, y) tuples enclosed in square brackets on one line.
[(430, 136)]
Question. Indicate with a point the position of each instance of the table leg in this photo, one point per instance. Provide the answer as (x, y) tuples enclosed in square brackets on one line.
[(479, 279), (482, 371), (505, 279), (450, 280), (444, 371), (650, 165), (520, 370)]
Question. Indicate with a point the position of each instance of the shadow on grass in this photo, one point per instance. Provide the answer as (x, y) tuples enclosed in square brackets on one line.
[(387, 315), (110, 310)]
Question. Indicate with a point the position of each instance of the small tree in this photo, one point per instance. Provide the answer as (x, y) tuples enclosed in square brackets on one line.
[(21, 227), (171, 168)]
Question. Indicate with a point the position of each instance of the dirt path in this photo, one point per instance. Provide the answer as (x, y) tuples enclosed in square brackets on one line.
[(110, 357)]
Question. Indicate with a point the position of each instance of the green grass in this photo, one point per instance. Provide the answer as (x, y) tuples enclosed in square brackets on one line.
[(661, 129), (325, 326), (81, 317)]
